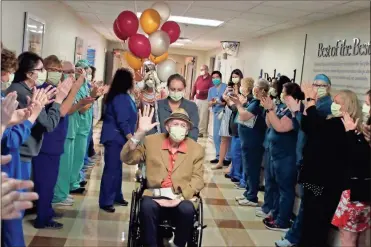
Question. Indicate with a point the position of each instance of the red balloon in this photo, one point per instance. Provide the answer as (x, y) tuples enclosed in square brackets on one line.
[(172, 29), (139, 45), (117, 31), (128, 23)]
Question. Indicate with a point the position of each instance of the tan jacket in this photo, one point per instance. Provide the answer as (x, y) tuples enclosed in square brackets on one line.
[(188, 172)]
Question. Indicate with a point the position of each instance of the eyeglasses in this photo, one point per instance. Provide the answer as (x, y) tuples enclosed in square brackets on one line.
[(40, 70)]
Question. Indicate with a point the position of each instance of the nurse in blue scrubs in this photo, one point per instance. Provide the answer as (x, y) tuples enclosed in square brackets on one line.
[(251, 129), (118, 127), (217, 107), (323, 85), (283, 139), (46, 164)]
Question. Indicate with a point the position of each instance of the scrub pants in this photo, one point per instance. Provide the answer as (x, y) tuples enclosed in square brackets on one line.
[(45, 174), (252, 159), (284, 173), (62, 187), (216, 137), (237, 169), (269, 194), (294, 234), (78, 160), (13, 229), (110, 187)]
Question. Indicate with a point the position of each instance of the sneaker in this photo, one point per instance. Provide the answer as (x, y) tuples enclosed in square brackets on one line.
[(235, 180), (57, 215), (227, 162), (78, 191), (52, 225), (122, 202), (239, 198), (246, 202), (284, 243), (240, 187), (67, 202), (274, 227), (259, 213), (70, 196), (214, 161)]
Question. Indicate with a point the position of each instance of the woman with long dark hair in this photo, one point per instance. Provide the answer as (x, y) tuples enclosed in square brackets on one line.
[(118, 127)]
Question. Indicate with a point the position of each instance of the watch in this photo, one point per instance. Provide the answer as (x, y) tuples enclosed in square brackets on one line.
[(310, 99)]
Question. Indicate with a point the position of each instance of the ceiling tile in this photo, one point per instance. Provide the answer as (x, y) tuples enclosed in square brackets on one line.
[(342, 9), (240, 6), (365, 4), (192, 31), (275, 11), (209, 13), (89, 18), (78, 5), (241, 24), (315, 16), (263, 20), (102, 8)]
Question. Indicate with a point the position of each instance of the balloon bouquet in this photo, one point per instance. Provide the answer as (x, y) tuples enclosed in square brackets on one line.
[(153, 48)]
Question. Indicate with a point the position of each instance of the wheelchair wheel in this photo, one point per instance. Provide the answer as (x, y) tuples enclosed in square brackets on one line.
[(134, 235), (198, 227)]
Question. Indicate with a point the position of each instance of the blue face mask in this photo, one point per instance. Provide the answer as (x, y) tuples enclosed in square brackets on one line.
[(216, 81)]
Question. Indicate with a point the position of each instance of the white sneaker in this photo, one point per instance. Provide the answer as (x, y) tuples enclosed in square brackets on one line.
[(67, 202), (239, 198), (70, 196), (259, 213), (246, 202), (284, 243)]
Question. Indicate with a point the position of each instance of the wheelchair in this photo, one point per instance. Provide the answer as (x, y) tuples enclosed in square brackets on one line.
[(134, 238)]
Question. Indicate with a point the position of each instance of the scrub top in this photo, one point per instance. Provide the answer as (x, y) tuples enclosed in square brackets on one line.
[(217, 92), (53, 142), (254, 129), (281, 144), (84, 119)]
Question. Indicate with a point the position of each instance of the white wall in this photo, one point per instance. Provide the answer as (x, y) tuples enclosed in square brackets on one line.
[(62, 27), (284, 51)]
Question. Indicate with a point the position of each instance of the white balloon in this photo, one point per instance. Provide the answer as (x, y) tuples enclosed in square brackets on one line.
[(160, 42), (165, 69), (163, 9)]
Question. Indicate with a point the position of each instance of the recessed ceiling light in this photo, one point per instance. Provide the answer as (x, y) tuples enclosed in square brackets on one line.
[(177, 44), (184, 40), (193, 21)]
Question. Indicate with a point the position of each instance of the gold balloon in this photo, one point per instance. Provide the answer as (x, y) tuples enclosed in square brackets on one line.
[(159, 59), (150, 21), (133, 61)]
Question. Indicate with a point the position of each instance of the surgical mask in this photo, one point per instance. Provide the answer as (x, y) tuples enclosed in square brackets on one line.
[(89, 77), (321, 92), (272, 91), (365, 112), (150, 83), (5, 85), (41, 78), (54, 77), (216, 81), (235, 80), (140, 85), (176, 96), (77, 76), (202, 72), (335, 109), (243, 91), (254, 94), (282, 98), (177, 133)]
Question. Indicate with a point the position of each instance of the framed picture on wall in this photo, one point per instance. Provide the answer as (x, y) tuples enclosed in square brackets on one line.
[(33, 34), (79, 49)]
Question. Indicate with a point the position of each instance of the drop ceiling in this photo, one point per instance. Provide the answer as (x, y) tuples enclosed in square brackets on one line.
[(242, 19)]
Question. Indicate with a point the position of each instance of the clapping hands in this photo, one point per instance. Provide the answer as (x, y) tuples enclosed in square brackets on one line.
[(267, 103)]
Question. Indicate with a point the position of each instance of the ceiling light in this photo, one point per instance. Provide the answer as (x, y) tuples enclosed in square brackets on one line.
[(184, 40), (177, 44), (193, 21)]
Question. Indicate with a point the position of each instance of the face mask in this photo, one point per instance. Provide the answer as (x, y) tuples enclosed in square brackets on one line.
[(282, 98), (235, 80), (41, 78), (177, 133), (216, 82), (321, 92), (176, 96), (202, 72), (254, 94), (140, 85), (89, 77), (335, 109), (243, 91), (54, 77), (5, 85), (366, 112), (272, 91), (150, 83)]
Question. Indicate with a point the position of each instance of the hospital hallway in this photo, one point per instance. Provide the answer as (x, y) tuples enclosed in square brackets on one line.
[(86, 225)]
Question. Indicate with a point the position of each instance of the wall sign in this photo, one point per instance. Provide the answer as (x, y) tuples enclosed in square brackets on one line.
[(275, 76), (345, 48)]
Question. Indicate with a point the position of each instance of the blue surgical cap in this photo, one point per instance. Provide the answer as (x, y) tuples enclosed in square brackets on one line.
[(82, 63), (322, 77)]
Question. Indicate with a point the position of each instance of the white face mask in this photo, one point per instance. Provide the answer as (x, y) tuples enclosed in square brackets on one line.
[(140, 85), (272, 91), (235, 80), (89, 77), (335, 110), (365, 112), (177, 133), (176, 96), (54, 77), (150, 83), (202, 72), (41, 78), (5, 85)]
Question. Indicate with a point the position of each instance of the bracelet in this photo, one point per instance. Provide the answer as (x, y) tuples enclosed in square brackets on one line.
[(135, 141)]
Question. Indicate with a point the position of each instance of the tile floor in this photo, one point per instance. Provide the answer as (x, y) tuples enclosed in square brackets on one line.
[(85, 225)]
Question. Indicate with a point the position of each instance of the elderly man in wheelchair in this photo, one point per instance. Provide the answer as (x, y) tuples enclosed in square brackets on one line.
[(174, 174)]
